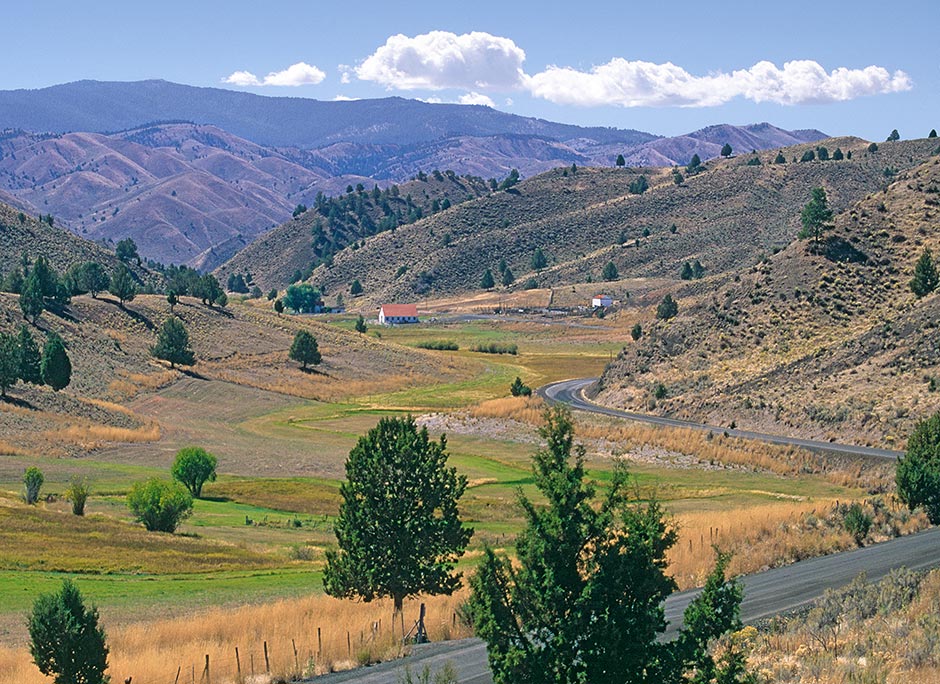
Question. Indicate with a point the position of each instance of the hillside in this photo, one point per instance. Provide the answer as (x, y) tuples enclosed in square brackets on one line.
[(244, 345), (331, 224), (727, 217), (820, 343)]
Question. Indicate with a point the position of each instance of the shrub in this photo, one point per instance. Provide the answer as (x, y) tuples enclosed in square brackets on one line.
[(495, 348), (667, 308), (161, 506), (438, 345), (660, 391), (193, 467), (636, 332), (66, 642), (857, 522), (32, 483), (77, 494), (918, 470), (519, 389)]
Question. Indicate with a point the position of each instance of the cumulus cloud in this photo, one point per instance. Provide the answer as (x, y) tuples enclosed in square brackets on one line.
[(440, 59), (646, 84), (297, 74), (344, 98), (474, 98)]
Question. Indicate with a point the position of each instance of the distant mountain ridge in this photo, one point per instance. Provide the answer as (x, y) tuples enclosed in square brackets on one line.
[(220, 167)]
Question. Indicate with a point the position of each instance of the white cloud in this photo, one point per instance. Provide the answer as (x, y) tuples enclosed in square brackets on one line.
[(440, 59), (474, 98), (297, 74), (344, 73), (344, 98), (645, 84)]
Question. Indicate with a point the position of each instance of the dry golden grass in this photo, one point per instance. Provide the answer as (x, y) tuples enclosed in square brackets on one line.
[(523, 409), (350, 634), (91, 436), (128, 384)]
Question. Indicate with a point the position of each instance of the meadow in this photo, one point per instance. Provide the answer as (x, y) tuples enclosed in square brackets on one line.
[(253, 550)]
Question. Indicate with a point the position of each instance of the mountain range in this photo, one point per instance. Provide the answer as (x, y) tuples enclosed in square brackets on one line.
[(222, 167)]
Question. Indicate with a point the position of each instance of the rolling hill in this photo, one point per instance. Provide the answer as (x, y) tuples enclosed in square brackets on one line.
[(817, 342), (728, 217)]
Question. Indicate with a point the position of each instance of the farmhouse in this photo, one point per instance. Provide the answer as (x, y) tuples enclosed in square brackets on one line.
[(393, 314), (601, 301)]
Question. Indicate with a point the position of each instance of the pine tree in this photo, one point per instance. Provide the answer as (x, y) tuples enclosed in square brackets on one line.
[(32, 303), (30, 358), (487, 282), (361, 327), (610, 271), (55, 365), (122, 285), (815, 215), (780, 159), (620, 160), (9, 362), (925, 278), (398, 530), (173, 344), (508, 277), (538, 261), (304, 349), (66, 642), (933, 133), (726, 150), (355, 288)]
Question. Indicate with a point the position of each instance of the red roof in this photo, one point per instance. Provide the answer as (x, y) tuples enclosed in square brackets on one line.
[(400, 310), (601, 297)]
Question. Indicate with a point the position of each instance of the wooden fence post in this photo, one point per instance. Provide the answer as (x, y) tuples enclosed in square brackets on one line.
[(207, 675), (267, 663), (319, 645), (238, 664), (296, 661), (348, 645)]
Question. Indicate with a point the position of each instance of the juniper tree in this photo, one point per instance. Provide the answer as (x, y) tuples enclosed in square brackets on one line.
[(9, 362), (918, 470), (815, 215), (610, 271), (30, 358), (32, 303), (399, 531), (620, 160), (667, 308), (925, 278), (122, 285), (538, 261), (304, 349), (92, 278), (173, 344), (487, 282), (636, 332), (726, 150), (56, 368)]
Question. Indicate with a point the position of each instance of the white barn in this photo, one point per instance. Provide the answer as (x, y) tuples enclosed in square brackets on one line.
[(601, 301), (394, 314)]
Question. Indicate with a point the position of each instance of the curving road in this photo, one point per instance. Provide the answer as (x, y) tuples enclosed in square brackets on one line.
[(766, 593), (571, 392)]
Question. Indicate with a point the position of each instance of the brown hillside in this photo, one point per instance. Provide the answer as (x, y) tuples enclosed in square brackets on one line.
[(828, 343), (109, 349), (728, 216), (274, 257)]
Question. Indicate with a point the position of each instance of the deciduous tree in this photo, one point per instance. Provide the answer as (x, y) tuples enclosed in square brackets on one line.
[(193, 467), (399, 530), (160, 506)]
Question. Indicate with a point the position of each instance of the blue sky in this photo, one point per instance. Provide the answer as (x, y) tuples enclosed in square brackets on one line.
[(663, 67)]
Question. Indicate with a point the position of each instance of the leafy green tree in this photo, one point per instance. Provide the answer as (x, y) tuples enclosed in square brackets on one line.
[(122, 284), (726, 150), (893, 136), (917, 472), (399, 530), (610, 271), (32, 303), (32, 484), (668, 308), (304, 349), (173, 344), (126, 250), (361, 325), (620, 160), (519, 388), (56, 368), (815, 215), (303, 298), (30, 358), (584, 602), (508, 278), (925, 278), (66, 642), (193, 467), (487, 282), (538, 261), (780, 159), (355, 288), (10, 358), (161, 506), (76, 493)]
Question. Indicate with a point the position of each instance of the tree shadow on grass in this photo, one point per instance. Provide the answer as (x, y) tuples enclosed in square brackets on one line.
[(313, 371), (19, 402), (136, 315)]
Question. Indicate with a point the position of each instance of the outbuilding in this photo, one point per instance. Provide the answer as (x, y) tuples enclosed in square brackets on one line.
[(395, 314), (601, 301)]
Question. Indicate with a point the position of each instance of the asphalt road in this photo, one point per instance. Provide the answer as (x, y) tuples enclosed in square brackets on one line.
[(571, 392), (765, 594)]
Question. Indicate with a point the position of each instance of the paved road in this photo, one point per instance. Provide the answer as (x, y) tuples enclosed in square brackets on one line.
[(765, 594), (571, 392)]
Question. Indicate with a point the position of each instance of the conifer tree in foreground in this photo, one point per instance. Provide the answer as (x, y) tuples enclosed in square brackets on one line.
[(925, 278), (173, 344), (56, 368)]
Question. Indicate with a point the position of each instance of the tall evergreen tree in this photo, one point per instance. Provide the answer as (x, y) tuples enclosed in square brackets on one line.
[(304, 349), (487, 282), (399, 530), (933, 133), (508, 277), (538, 260), (726, 150), (925, 278), (55, 366), (610, 271), (173, 344), (9, 362), (30, 358), (32, 303), (92, 278), (584, 602), (815, 215), (66, 642), (620, 160), (918, 470), (122, 285)]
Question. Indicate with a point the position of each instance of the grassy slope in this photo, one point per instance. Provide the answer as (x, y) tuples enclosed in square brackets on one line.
[(728, 216), (806, 343)]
